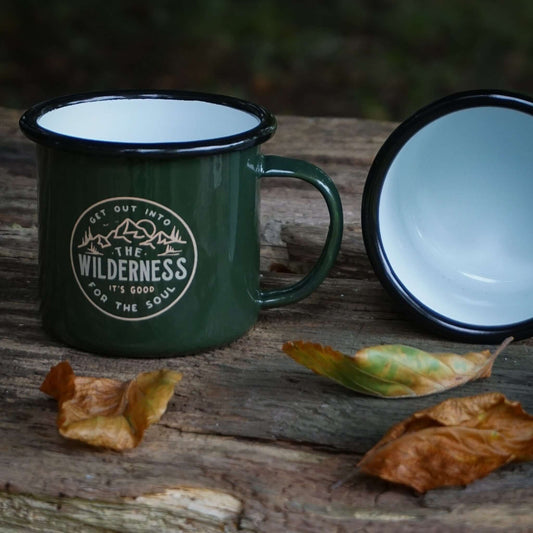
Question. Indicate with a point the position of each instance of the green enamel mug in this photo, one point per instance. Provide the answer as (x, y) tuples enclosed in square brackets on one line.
[(148, 220)]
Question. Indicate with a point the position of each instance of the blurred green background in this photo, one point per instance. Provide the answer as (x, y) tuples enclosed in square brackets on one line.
[(379, 59)]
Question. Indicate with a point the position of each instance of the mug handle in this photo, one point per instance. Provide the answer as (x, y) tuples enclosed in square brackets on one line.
[(283, 167)]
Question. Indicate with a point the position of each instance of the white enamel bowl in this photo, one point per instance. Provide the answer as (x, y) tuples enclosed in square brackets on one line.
[(447, 216)]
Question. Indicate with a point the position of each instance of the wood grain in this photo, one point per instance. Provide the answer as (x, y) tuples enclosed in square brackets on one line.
[(251, 441)]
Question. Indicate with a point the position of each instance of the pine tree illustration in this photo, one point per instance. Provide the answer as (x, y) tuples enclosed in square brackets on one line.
[(175, 235), (87, 237)]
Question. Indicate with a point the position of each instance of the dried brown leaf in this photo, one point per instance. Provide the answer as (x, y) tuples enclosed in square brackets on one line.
[(106, 412), (453, 443)]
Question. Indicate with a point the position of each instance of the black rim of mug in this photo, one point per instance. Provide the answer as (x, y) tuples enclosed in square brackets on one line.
[(432, 320), (257, 135)]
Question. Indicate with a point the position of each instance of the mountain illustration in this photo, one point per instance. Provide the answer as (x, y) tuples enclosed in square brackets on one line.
[(142, 234), (169, 241), (129, 231)]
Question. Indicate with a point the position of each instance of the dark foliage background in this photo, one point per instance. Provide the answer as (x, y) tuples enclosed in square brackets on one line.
[(368, 58)]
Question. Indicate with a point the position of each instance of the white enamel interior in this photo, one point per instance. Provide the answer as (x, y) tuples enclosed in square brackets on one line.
[(456, 216), (148, 120)]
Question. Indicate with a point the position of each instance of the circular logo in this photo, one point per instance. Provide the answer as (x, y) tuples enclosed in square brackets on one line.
[(133, 258)]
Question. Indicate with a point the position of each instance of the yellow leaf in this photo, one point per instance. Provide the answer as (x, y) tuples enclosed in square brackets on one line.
[(394, 370)]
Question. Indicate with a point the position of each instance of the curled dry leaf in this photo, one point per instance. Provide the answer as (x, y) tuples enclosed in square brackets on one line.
[(106, 412), (453, 443), (394, 370)]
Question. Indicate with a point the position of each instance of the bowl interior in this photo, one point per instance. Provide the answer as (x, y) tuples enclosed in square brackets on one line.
[(455, 216)]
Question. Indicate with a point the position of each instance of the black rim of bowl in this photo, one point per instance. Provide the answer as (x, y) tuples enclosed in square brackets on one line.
[(257, 135), (421, 313)]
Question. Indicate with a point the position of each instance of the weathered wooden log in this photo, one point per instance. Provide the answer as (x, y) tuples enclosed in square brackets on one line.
[(251, 441)]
